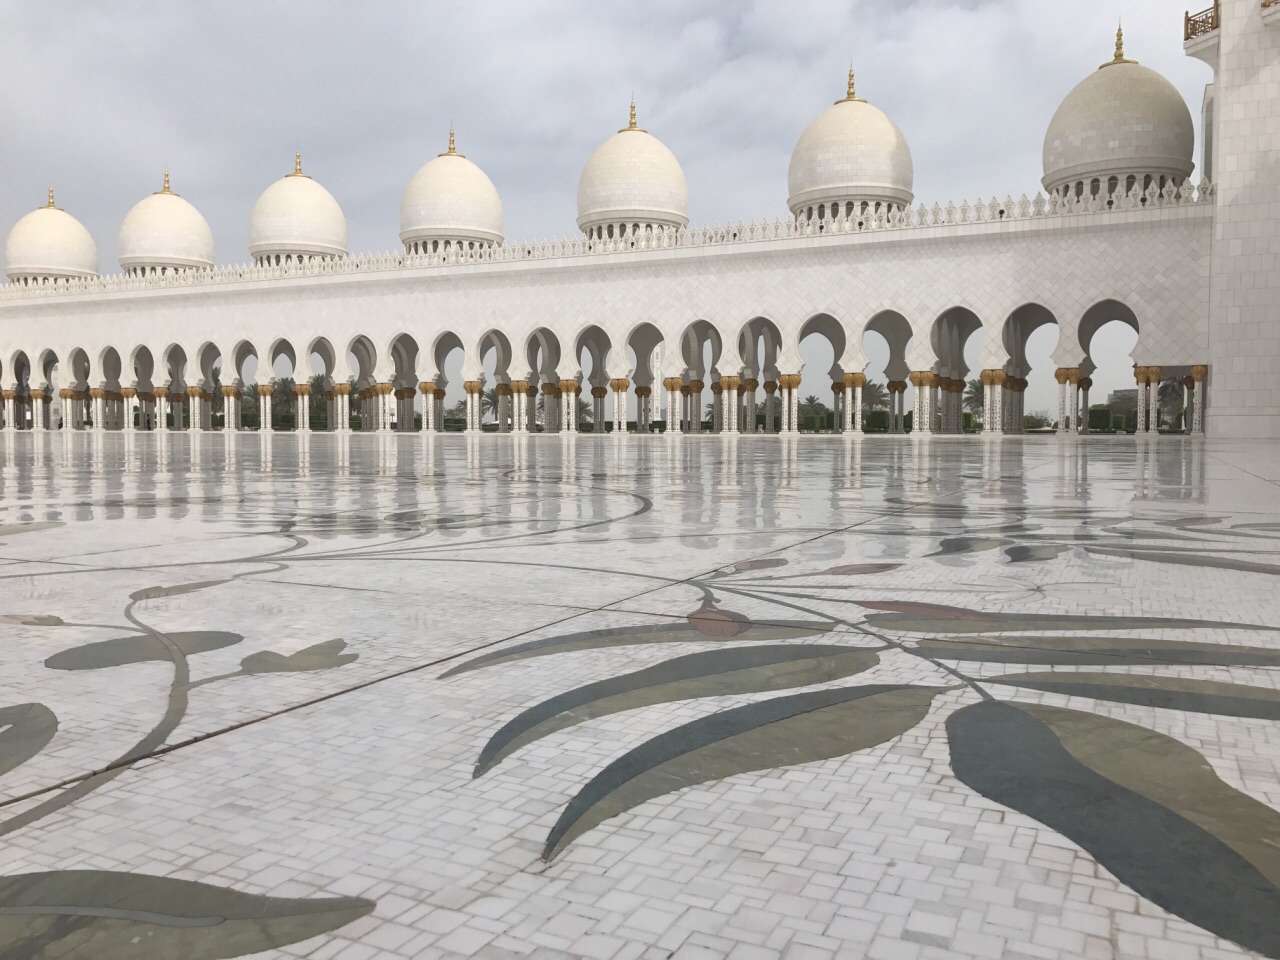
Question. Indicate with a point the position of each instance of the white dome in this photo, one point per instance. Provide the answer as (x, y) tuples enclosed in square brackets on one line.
[(450, 199), (632, 178), (164, 231), (1123, 119), (852, 153), (50, 243), (296, 217)]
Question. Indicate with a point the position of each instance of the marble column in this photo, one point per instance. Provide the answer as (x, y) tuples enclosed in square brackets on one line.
[(265, 394), (1200, 378), (675, 400), (619, 386), (1064, 420), (770, 414), (717, 407), (695, 405), (853, 384), (729, 387), (1085, 385), (922, 415)]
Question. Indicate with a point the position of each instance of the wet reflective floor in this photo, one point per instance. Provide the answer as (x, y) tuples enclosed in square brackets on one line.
[(598, 697)]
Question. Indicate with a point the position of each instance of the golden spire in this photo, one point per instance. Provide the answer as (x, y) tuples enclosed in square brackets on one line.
[(1119, 58), (297, 165), (165, 188), (453, 145), (52, 205), (631, 121), (851, 95)]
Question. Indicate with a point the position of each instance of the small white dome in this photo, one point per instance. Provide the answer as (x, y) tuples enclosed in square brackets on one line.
[(632, 179), (163, 232), (49, 243), (1123, 119), (852, 153), (297, 218), (449, 200)]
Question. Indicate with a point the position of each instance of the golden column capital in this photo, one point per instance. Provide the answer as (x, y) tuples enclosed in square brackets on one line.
[(265, 389), (1199, 373), (673, 383), (770, 387), (750, 385), (1062, 374), (717, 388), (854, 380), (341, 389), (473, 386), (128, 392), (730, 383)]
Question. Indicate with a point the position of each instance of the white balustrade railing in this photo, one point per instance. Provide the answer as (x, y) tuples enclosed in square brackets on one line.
[(921, 217)]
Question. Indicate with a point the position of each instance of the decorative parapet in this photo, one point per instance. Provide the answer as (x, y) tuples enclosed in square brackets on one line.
[(923, 217), (1206, 21)]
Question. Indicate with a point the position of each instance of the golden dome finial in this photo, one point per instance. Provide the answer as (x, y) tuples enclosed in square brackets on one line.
[(165, 188), (631, 124), (297, 162), (52, 205), (1119, 57), (453, 144), (851, 94)]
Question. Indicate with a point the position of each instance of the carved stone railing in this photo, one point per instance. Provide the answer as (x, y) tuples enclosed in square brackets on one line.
[(897, 222), (1206, 21)]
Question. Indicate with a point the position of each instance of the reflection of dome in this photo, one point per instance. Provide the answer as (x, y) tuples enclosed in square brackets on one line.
[(450, 200), (49, 244), (163, 232), (1123, 120), (852, 154), (296, 219), (630, 183)]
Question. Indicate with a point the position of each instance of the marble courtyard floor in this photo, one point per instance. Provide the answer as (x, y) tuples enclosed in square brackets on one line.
[(701, 697)]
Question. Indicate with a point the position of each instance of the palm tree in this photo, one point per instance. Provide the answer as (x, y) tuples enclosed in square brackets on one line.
[(874, 396), (489, 403), (319, 407), (974, 396), (585, 413), (811, 406)]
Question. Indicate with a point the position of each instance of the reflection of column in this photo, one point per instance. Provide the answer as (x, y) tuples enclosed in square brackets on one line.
[(1200, 376), (770, 388), (730, 419)]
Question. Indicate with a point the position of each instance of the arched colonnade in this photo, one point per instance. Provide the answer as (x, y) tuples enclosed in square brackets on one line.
[(549, 380)]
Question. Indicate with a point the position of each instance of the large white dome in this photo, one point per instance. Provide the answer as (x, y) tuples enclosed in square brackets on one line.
[(49, 243), (164, 232), (851, 154), (632, 180), (1122, 120), (450, 200), (296, 219)]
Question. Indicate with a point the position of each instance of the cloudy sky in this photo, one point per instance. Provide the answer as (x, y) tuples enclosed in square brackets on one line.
[(103, 96)]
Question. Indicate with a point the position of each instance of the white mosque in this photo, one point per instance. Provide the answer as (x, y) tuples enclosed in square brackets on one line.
[(646, 312)]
